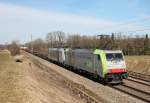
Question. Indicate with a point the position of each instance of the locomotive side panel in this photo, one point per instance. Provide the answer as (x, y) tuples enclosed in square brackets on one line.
[(69, 58), (61, 53), (84, 61), (53, 54)]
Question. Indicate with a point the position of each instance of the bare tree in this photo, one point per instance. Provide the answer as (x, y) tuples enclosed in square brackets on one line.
[(50, 39), (55, 39), (130, 44), (61, 38)]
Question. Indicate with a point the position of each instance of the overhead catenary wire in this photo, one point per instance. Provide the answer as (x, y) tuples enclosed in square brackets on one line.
[(127, 23), (140, 30), (134, 21)]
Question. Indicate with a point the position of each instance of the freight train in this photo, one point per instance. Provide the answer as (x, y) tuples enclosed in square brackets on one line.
[(106, 65)]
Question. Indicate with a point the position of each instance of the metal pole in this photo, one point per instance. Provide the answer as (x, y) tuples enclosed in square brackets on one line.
[(31, 44)]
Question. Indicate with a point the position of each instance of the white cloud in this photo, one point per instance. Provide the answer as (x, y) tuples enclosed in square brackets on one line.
[(17, 22)]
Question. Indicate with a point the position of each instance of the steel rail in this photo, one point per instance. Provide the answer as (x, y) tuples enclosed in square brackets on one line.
[(139, 94), (139, 76), (140, 82)]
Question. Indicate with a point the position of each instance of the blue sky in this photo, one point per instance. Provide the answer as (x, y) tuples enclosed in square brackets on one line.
[(20, 18)]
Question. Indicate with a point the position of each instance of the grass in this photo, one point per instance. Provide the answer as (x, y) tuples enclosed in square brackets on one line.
[(139, 64), (143, 57), (10, 74)]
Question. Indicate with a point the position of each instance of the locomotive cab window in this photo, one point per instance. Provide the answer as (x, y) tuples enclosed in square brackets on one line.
[(114, 56)]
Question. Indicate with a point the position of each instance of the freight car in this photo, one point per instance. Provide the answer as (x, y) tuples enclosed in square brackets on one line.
[(108, 66)]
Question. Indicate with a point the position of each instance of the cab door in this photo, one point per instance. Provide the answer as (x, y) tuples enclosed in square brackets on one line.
[(97, 65)]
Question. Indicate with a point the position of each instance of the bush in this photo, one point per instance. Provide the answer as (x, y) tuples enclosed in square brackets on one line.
[(14, 48)]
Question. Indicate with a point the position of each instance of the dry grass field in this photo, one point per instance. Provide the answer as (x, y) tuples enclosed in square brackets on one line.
[(139, 64), (26, 83), (10, 75)]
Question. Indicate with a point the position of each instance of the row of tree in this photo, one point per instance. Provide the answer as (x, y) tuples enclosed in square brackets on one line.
[(131, 45)]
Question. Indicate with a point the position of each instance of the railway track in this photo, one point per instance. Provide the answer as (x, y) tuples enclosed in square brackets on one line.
[(138, 81), (139, 76), (136, 78), (139, 94)]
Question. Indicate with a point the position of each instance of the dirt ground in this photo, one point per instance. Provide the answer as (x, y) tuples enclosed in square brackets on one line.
[(26, 83), (139, 64)]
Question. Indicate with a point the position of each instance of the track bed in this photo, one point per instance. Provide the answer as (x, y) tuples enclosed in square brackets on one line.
[(104, 93)]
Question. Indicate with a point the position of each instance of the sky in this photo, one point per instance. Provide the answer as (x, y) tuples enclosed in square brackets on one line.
[(21, 18)]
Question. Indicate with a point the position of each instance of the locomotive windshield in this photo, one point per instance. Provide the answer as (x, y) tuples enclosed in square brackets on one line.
[(114, 56)]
